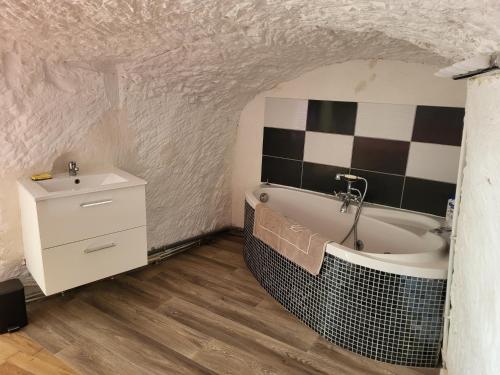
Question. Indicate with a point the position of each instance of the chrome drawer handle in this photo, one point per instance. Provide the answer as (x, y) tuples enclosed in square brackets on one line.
[(96, 203), (98, 248)]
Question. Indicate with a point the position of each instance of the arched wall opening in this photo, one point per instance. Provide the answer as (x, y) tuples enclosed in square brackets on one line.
[(374, 81)]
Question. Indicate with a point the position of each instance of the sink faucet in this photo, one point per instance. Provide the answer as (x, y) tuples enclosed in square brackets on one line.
[(72, 168), (352, 194)]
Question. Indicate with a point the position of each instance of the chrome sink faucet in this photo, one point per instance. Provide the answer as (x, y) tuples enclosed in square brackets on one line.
[(73, 168), (351, 195)]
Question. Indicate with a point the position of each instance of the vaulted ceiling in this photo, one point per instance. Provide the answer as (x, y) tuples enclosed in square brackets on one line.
[(227, 48)]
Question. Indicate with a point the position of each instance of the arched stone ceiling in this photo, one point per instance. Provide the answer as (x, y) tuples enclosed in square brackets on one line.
[(228, 46)]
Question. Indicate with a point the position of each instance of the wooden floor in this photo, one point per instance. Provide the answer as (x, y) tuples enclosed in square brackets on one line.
[(198, 312), (20, 355)]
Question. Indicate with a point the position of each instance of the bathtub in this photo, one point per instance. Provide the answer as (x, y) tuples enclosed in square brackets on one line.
[(395, 241), (385, 302)]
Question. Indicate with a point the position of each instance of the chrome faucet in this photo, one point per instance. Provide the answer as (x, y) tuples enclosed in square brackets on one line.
[(352, 194), (72, 168)]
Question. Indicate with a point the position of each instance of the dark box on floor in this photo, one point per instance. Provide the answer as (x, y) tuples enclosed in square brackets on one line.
[(12, 306)]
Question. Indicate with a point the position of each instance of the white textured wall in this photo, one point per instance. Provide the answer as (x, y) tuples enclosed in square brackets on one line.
[(181, 148), (363, 81), (474, 342)]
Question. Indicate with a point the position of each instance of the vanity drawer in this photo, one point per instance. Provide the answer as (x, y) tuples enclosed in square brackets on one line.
[(69, 219), (82, 262)]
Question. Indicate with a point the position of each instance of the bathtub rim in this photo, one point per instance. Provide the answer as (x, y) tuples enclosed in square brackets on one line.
[(394, 263), (253, 200)]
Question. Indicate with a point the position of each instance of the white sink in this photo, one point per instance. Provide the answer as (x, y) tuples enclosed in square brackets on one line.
[(62, 185), (79, 229)]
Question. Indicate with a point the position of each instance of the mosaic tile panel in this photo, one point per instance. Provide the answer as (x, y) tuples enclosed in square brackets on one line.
[(388, 317)]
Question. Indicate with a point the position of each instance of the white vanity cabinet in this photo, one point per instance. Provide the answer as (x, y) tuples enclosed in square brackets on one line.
[(76, 234)]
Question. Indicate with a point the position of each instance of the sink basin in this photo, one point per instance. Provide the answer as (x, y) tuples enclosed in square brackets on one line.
[(79, 229), (63, 183)]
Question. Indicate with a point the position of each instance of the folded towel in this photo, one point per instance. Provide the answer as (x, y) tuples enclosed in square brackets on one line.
[(292, 240)]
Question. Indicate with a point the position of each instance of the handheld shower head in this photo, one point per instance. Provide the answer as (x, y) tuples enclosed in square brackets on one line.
[(347, 177)]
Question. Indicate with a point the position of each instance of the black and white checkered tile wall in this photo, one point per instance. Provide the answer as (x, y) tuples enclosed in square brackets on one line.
[(392, 318), (408, 153)]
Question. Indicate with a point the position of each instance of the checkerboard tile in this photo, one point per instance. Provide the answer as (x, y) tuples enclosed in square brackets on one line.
[(285, 113), (388, 142)]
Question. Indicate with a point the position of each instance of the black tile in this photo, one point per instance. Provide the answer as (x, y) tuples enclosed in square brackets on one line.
[(348, 303), (443, 125), (427, 196), (281, 171), (321, 178), (382, 188), (382, 155), (284, 143), (331, 117)]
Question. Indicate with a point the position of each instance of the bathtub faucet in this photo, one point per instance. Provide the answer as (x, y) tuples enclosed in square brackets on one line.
[(352, 194)]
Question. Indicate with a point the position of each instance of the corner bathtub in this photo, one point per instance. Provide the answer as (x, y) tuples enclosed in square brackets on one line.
[(385, 302)]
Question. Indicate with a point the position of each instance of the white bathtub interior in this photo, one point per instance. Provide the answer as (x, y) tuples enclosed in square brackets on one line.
[(394, 240)]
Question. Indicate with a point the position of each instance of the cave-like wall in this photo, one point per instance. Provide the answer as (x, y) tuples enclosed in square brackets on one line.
[(475, 296), (181, 148), (156, 87)]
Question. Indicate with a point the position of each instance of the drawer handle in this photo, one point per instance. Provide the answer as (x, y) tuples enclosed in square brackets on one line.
[(96, 203), (98, 248)]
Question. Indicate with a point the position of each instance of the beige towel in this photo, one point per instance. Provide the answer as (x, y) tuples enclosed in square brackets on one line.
[(292, 240)]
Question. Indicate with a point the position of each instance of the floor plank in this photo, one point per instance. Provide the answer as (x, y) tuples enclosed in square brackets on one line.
[(125, 340), (20, 354), (199, 312), (36, 365), (8, 368), (21, 343)]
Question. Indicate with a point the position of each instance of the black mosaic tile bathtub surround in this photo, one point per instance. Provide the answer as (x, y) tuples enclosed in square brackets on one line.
[(384, 161), (387, 317)]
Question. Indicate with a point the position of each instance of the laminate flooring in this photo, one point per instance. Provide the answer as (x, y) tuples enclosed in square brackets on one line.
[(20, 355), (199, 312)]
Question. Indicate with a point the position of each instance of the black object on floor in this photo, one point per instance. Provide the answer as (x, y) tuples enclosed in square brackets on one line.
[(12, 306)]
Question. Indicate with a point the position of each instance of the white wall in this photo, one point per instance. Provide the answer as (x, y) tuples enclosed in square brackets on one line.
[(362, 81), (474, 337), (51, 114)]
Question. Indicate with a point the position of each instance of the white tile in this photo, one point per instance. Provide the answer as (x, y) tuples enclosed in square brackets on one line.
[(330, 149), (389, 121), (433, 162), (285, 113)]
